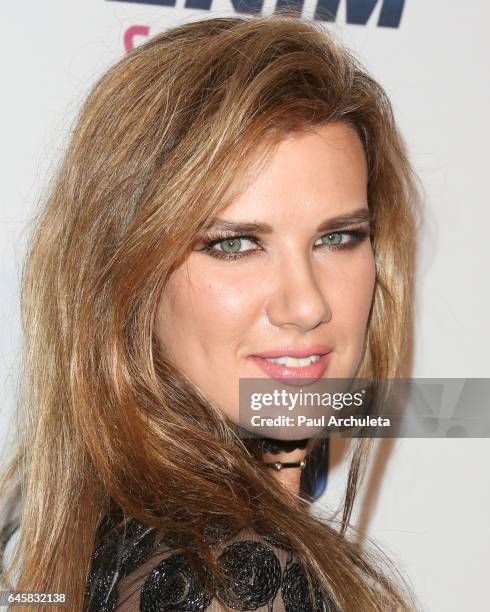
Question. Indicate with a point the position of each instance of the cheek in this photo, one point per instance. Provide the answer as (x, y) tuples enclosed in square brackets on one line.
[(366, 279), (203, 312), (352, 295)]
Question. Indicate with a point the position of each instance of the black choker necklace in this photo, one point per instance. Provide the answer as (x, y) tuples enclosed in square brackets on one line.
[(269, 445), (279, 465), (275, 447)]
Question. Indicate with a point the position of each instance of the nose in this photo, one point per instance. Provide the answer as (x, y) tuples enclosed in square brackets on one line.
[(297, 298)]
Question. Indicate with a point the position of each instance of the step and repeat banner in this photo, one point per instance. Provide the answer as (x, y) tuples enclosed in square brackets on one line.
[(425, 498)]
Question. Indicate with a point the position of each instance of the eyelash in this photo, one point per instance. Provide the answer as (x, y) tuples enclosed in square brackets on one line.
[(358, 235)]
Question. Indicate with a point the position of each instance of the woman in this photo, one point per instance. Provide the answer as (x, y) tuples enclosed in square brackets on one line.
[(144, 303)]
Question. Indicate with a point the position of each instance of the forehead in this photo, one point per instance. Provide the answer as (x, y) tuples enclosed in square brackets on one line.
[(322, 170)]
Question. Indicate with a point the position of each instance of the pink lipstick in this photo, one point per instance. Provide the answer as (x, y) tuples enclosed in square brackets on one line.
[(319, 358)]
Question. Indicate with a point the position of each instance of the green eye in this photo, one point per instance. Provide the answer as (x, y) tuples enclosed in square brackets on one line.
[(231, 245), (334, 238)]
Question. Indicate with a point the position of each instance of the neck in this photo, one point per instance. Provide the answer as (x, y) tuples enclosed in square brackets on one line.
[(288, 477)]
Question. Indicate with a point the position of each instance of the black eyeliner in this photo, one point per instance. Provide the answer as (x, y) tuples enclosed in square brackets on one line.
[(210, 239)]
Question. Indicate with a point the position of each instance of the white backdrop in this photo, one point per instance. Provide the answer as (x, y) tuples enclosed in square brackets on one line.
[(430, 509)]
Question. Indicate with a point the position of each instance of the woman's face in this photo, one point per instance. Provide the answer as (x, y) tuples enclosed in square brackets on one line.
[(299, 284)]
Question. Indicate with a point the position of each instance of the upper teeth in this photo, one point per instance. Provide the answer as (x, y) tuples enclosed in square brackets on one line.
[(294, 362)]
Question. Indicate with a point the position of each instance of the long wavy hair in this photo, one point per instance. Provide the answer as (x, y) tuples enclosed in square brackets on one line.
[(108, 421)]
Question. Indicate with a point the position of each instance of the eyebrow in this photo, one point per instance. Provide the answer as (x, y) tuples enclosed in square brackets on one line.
[(361, 215)]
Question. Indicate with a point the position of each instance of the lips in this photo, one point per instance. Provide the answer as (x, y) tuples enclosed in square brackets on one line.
[(311, 372)]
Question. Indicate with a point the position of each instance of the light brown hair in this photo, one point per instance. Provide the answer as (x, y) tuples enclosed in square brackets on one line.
[(109, 421)]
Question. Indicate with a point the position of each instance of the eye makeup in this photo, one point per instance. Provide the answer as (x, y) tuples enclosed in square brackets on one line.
[(212, 239)]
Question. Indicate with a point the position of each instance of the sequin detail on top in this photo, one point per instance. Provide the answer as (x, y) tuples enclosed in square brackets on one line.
[(111, 562), (261, 574), (295, 592), (174, 587), (254, 573)]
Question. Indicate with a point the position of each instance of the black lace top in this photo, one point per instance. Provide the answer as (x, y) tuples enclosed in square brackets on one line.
[(141, 571)]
